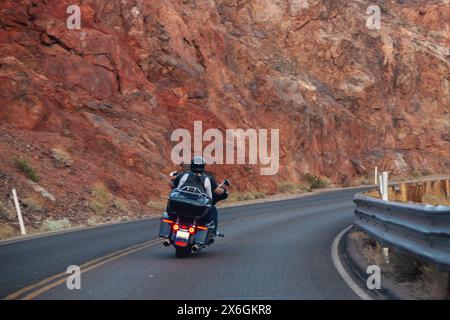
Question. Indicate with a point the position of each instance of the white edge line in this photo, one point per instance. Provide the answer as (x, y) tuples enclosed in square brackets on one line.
[(341, 270)]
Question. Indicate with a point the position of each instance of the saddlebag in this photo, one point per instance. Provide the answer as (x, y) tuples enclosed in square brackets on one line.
[(165, 227)]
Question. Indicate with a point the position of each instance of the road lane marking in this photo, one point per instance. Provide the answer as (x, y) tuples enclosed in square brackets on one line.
[(341, 270), (20, 292), (61, 281)]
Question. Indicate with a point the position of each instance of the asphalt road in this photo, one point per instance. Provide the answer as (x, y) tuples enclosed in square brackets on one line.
[(274, 250)]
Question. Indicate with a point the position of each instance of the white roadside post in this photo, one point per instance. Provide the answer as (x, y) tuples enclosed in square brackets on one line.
[(386, 255), (385, 194), (19, 213), (380, 183), (376, 175)]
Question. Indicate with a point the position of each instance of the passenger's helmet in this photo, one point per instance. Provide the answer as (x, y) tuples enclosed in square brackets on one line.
[(198, 164)]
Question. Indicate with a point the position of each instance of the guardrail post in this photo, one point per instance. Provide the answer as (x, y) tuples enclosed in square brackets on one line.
[(386, 255), (380, 184), (403, 192), (384, 183)]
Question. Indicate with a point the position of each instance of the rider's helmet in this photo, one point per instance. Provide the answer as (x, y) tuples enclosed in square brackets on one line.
[(198, 164)]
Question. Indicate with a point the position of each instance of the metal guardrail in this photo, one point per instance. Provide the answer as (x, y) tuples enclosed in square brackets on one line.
[(422, 231)]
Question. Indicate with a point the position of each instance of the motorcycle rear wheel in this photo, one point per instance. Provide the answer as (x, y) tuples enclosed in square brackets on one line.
[(181, 252)]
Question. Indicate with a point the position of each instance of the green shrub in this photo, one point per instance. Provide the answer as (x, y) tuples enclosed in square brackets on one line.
[(101, 199), (415, 174), (93, 220), (62, 158), (27, 169), (420, 173), (7, 231), (259, 195), (157, 205), (244, 196), (286, 187), (122, 205), (55, 225), (361, 181), (316, 182)]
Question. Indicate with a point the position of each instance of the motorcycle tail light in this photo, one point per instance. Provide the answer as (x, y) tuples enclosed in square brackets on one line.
[(176, 227), (191, 230)]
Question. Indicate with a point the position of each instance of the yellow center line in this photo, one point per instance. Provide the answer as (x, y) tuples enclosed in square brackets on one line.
[(61, 281), (18, 293)]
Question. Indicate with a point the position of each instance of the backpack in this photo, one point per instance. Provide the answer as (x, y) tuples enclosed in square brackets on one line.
[(195, 181)]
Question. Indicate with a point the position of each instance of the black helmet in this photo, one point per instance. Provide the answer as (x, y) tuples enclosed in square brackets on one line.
[(198, 164)]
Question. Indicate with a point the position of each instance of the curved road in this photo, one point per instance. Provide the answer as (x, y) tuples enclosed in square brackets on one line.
[(273, 250)]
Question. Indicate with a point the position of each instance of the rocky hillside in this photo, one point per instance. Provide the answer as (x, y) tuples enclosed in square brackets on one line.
[(90, 112)]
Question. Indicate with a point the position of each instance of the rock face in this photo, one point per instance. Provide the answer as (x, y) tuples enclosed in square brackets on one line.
[(345, 97)]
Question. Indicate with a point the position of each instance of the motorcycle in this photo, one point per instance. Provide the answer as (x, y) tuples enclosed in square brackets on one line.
[(184, 225)]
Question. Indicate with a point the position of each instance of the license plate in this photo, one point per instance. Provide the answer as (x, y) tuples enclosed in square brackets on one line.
[(183, 235)]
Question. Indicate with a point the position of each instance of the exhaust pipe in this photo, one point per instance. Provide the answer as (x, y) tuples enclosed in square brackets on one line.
[(195, 248), (166, 243)]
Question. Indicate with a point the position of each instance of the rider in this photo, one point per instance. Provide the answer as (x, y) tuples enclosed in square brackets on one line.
[(212, 189)]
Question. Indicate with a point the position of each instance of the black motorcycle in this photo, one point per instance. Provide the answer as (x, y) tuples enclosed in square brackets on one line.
[(185, 224)]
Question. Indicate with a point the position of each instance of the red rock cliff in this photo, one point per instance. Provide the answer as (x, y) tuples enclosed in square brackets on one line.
[(108, 96)]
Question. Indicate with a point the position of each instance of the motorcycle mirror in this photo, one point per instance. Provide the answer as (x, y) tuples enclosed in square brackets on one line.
[(227, 183), (174, 174)]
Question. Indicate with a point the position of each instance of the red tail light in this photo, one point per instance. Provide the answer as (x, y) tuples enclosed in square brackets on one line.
[(176, 227), (181, 244)]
